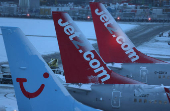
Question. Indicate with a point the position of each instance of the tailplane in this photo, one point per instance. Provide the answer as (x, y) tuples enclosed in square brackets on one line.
[(114, 45), (36, 87), (81, 63)]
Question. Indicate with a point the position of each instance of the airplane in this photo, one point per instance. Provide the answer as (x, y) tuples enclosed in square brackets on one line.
[(36, 87), (65, 27), (119, 52), (114, 45), (106, 90)]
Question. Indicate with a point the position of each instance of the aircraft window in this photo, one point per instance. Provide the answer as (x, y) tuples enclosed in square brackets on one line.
[(163, 76), (151, 101), (155, 101), (165, 102), (159, 76), (160, 102), (145, 101), (135, 100), (140, 100)]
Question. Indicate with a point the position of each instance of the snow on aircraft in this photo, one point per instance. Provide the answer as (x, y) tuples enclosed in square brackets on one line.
[(36, 87), (82, 64), (115, 48)]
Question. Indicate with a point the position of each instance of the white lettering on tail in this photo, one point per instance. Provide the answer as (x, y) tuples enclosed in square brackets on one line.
[(88, 56), (120, 39)]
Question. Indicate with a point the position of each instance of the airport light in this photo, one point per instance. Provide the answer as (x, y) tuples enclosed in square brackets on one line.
[(88, 17), (28, 14), (149, 19)]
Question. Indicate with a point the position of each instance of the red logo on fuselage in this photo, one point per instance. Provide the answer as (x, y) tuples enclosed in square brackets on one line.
[(167, 91), (28, 94)]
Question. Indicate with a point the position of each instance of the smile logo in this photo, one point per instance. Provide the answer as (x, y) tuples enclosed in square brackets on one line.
[(28, 94)]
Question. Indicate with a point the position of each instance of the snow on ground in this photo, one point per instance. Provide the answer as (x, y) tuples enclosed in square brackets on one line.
[(46, 45), (7, 99), (157, 47)]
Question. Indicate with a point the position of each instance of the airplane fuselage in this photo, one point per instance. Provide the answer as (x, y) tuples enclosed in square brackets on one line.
[(156, 74), (124, 97)]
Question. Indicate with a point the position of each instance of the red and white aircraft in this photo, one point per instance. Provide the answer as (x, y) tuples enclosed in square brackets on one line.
[(115, 48), (76, 50), (82, 64), (114, 45)]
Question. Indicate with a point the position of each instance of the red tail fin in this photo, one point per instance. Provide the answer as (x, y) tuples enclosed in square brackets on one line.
[(113, 43), (80, 61)]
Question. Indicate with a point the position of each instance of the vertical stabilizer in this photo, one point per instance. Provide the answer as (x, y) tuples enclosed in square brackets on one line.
[(81, 62), (114, 45), (36, 87)]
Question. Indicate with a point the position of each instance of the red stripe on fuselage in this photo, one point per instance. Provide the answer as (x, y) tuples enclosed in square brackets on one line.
[(167, 93)]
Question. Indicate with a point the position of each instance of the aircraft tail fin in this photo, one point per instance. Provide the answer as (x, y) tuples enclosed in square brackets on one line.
[(36, 87), (114, 45), (81, 63)]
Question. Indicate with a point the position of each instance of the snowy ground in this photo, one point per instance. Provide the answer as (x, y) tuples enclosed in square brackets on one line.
[(7, 99), (46, 45), (157, 47)]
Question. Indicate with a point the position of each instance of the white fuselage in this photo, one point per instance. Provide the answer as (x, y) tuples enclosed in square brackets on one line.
[(152, 74), (124, 97)]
